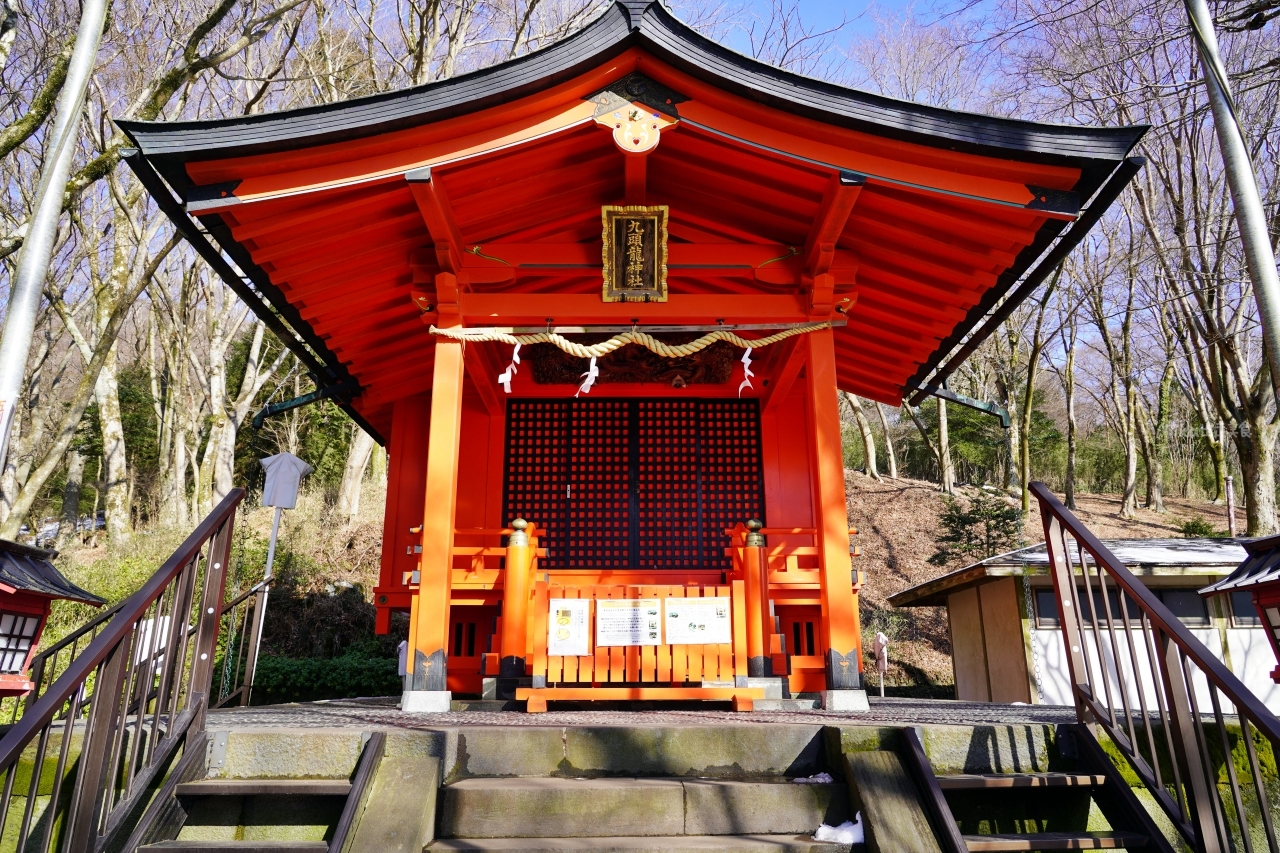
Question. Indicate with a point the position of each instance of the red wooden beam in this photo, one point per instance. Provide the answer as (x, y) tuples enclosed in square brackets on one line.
[(834, 211), (433, 204)]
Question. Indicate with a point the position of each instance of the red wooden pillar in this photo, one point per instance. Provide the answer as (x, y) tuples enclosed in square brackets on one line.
[(432, 624), (843, 655), (406, 480), (755, 565)]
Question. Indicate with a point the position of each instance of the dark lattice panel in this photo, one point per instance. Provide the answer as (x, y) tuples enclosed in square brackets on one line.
[(732, 479), (669, 534), (600, 511), (621, 484), (537, 470)]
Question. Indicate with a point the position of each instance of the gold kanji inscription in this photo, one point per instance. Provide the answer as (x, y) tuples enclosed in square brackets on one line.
[(635, 253)]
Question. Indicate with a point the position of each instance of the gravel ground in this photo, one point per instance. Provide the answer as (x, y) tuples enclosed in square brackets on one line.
[(384, 713)]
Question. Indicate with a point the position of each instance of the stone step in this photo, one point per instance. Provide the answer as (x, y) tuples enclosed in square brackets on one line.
[(578, 808), (1055, 841), (265, 787), (237, 847), (655, 844), (972, 781)]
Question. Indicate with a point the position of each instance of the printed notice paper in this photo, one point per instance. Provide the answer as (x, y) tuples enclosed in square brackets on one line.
[(567, 627), (692, 621), (628, 622)]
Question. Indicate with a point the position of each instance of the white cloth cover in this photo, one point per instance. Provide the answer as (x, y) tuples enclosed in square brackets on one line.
[(849, 832), (284, 472)]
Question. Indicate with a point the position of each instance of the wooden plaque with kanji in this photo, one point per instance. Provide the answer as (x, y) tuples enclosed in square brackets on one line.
[(635, 253)]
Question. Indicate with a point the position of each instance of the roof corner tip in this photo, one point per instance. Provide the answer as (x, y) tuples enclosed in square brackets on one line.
[(635, 10)]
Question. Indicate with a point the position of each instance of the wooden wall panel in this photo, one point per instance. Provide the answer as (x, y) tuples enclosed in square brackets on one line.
[(968, 651), (1002, 635)]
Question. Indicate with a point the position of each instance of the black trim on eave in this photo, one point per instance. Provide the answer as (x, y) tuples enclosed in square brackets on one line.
[(326, 373), (170, 145), (933, 370)]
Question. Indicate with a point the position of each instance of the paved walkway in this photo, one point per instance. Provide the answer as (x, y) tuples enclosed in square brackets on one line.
[(384, 714)]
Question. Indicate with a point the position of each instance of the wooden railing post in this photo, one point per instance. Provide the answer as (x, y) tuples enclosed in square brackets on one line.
[(755, 570), (515, 610), (1186, 748), (215, 578), (1064, 586), (96, 753)]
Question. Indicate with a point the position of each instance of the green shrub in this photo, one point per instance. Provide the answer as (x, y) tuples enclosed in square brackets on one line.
[(1198, 527), (984, 527), (356, 672)]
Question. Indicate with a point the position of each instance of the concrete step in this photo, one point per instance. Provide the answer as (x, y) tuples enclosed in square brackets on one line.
[(265, 787), (237, 847), (656, 844), (583, 808), (975, 781), (1055, 841)]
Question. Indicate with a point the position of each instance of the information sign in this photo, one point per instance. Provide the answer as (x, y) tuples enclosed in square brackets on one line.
[(628, 622), (567, 633), (694, 621)]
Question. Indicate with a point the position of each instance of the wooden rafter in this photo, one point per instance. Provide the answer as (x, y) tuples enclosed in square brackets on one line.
[(437, 213), (820, 247)]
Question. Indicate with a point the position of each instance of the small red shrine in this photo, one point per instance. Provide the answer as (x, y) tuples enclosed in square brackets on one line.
[(29, 584), (597, 302)]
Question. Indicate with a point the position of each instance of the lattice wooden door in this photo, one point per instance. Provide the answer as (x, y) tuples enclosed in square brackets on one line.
[(645, 484)]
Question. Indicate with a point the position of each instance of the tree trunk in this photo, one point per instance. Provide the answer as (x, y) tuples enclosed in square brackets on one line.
[(1218, 453), (1128, 416), (9, 487), (116, 492), (889, 452), (944, 450), (868, 438), (353, 474), (71, 496), (1256, 447)]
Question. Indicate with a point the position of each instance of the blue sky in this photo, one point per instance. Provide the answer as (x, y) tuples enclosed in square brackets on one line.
[(828, 13)]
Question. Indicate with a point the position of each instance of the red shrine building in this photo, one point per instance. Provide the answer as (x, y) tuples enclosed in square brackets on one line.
[(597, 302)]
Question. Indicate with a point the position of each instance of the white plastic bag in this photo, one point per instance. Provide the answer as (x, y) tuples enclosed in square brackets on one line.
[(849, 832)]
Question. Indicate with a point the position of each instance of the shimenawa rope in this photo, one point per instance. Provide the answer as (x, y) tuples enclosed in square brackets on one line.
[(634, 336)]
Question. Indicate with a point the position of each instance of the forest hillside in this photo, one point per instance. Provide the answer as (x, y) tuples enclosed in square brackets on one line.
[(897, 522)]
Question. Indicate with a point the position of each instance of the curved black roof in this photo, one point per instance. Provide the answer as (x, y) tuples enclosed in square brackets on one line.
[(31, 570), (632, 23)]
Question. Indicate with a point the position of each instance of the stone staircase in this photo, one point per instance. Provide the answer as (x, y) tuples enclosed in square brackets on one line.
[(636, 814), (724, 787)]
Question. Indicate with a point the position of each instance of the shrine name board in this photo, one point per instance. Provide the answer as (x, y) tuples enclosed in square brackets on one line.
[(635, 253)]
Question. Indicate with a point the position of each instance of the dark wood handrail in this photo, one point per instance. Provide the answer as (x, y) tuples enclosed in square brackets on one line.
[(1213, 669), (133, 608)]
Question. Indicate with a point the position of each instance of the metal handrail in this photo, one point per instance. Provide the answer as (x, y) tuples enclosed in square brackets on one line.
[(136, 691), (1109, 689)]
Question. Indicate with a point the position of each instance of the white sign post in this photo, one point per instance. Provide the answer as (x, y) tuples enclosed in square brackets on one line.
[(284, 473), (882, 658)]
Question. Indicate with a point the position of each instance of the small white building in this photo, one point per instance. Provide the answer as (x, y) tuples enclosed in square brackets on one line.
[(1000, 634)]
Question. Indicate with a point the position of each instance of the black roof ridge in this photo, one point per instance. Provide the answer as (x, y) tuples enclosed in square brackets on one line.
[(629, 23)]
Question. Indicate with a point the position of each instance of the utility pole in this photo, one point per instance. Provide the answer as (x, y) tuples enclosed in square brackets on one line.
[(1250, 216), (37, 249)]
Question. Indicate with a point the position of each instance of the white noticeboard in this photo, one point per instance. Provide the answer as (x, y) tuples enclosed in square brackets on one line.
[(693, 621), (567, 625), (628, 622)]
